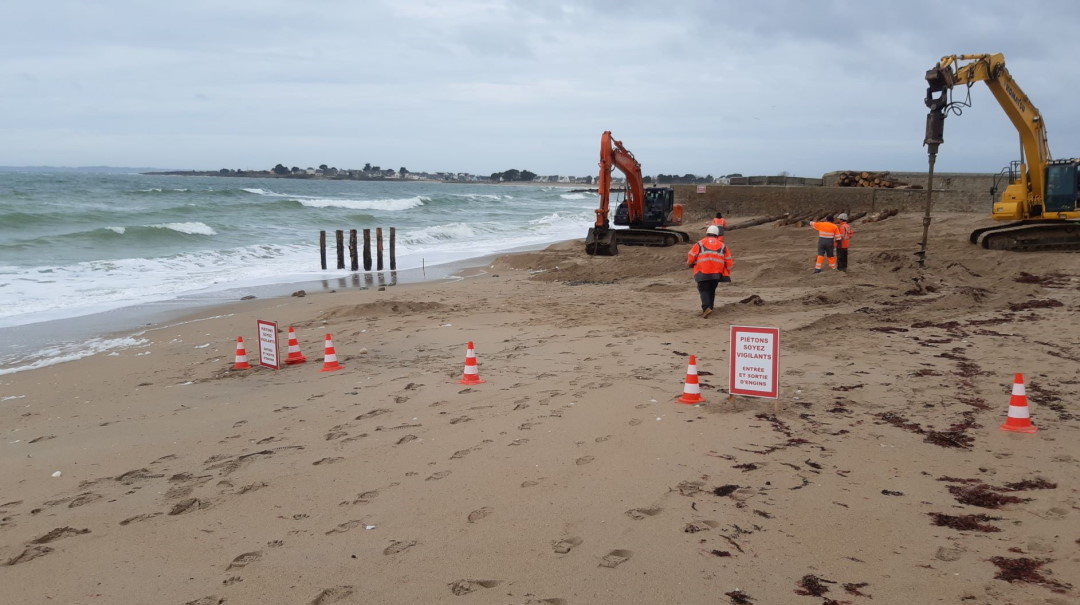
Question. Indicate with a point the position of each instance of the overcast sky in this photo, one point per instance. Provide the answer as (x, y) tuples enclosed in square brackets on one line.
[(689, 86)]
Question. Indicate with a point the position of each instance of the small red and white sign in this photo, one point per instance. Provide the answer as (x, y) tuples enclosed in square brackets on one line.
[(755, 362), (268, 344), (701, 188)]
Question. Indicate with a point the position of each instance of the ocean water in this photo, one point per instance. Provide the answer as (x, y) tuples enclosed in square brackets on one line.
[(74, 245)]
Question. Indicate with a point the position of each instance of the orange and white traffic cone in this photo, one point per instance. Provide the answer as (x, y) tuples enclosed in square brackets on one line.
[(692, 391), (330, 357), (1019, 420), (295, 356), (472, 374), (241, 355)]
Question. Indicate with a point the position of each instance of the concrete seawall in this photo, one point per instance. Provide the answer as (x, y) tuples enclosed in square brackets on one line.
[(952, 193)]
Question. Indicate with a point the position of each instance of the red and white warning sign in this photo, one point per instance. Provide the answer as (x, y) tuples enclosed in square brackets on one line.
[(268, 344), (755, 362)]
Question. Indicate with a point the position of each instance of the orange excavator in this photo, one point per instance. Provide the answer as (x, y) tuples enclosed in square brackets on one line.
[(646, 212)]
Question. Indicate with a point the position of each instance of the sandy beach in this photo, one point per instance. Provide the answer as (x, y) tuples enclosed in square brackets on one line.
[(571, 475)]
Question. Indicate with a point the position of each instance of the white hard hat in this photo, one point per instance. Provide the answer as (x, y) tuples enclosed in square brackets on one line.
[(841, 217), (713, 230)]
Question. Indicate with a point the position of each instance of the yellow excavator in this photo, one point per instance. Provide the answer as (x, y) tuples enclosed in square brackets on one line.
[(1041, 199)]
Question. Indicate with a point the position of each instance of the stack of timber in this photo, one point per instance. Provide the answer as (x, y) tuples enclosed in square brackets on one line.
[(850, 178)]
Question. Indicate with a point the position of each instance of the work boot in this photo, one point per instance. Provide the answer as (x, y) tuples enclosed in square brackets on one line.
[(706, 313), (817, 270)]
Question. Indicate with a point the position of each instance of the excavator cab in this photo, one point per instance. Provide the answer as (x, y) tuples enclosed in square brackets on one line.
[(1062, 186), (659, 210)]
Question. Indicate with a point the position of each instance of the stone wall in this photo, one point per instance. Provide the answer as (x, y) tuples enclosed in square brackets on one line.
[(952, 193)]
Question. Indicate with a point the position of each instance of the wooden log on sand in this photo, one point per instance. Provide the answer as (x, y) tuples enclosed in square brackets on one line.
[(880, 216), (757, 221)]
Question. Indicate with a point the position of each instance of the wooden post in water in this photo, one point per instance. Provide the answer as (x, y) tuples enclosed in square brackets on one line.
[(353, 264), (378, 248), (393, 249), (367, 249), (340, 248), (322, 249)]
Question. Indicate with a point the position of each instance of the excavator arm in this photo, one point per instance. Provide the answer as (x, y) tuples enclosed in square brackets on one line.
[(966, 70), (614, 155)]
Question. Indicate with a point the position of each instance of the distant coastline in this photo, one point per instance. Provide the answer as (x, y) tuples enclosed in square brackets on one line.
[(267, 174)]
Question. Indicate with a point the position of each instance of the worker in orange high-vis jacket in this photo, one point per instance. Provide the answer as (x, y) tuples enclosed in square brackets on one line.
[(719, 221), (827, 234), (711, 261), (843, 241)]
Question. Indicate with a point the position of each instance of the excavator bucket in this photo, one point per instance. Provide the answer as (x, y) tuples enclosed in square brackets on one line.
[(601, 242)]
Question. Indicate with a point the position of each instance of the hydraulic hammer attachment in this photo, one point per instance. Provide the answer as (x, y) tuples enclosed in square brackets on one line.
[(938, 81)]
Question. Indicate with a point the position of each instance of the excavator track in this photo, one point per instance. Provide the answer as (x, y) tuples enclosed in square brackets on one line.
[(650, 237), (605, 242), (1043, 236)]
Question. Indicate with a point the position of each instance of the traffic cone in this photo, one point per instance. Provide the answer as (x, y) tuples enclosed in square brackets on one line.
[(1019, 420), (241, 356), (295, 356), (330, 357), (472, 374), (691, 392)]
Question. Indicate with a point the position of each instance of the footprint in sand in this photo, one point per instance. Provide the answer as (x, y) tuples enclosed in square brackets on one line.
[(251, 487), (615, 558), (344, 527), (366, 497), (480, 513), (602, 439), (584, 460), (210, 600), (398, 546), (83, 499), (638, 514), (565, 545), (188, 505), (245, 559), (332, 595), (695, 526), (333, 435), (372, 414), (29, 555), (635, 421), (406, 439), (327, 461), (138, 518), (58, 533), (438, 475), (460, 454), (463, 587)]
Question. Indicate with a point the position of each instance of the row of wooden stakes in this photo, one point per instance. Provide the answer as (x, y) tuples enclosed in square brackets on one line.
[(353, 256)]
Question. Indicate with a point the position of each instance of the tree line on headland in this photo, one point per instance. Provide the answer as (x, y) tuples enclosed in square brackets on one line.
[(376, 173)]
